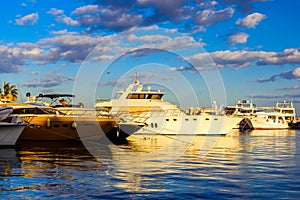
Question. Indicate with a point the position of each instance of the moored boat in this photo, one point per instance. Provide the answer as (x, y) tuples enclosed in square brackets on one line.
[(262, 118), (48, 124), (267, 121), (63, 103), (135, 104)]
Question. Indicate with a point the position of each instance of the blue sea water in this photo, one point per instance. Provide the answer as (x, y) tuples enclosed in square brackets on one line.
[(255, 165)]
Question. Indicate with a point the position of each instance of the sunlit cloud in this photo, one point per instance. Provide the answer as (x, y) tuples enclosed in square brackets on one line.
[(211, 16), (29, 19), (251, 21), (238, 38)]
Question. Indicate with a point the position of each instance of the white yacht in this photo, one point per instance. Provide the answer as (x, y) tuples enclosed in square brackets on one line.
[(262, 118), (10, 130), (147, 109), (268, 121)]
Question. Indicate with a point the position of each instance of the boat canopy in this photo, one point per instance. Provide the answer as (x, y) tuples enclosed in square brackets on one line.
[(53, 96)]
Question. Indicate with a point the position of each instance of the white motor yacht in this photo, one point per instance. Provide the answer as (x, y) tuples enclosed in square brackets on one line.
[(146, 108), (268, 121)]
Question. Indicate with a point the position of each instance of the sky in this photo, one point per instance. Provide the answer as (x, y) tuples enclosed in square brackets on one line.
[(196, 51)]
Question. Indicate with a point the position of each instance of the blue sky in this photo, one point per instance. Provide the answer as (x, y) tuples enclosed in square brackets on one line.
[(47, 47)]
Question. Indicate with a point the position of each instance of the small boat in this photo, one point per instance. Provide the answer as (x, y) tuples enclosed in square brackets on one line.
[(9, 130), (146, 106), (48, 124)]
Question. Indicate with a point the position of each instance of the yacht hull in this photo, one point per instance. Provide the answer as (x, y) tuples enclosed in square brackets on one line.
[(57, 128), (190, 125), (263, 124), (10, 132)]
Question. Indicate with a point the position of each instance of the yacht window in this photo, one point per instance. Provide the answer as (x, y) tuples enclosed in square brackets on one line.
[(65, 125), (186, 119), (206, 118), (156, 96), (194, 119), (272, 117), (155, 125), (151, 125), (167, 120), (132, 96), (174, 119), (149, 96), (56, 125)]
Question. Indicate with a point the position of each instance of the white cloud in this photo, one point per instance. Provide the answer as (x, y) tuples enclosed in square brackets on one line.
[(251, 20), (54, 11), (63, 32), (69, 21), (210, 16), (74, 48), (232, 59), (29, 19), (296, 72), (89, 9), (238, 38)]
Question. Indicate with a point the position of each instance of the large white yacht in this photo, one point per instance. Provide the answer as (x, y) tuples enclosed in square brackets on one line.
[(155, 116)]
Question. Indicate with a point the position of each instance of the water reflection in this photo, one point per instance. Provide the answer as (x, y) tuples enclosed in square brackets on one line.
[(249, 165), (236, 160), (8, 161), (36, 157)]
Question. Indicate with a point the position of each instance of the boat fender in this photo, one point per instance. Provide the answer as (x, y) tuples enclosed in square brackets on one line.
[(74, 125), (48, 123)]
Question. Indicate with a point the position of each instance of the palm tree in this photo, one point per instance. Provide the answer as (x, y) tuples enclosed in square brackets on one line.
[(9, 90)]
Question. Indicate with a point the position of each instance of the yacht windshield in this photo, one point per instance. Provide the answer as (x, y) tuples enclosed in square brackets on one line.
[(144, 96)]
